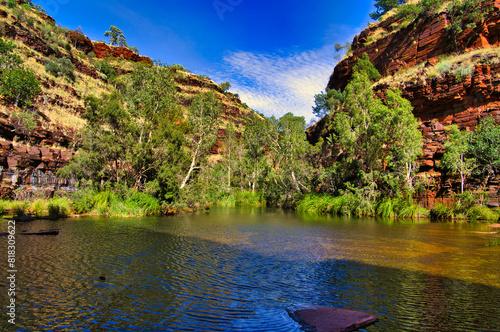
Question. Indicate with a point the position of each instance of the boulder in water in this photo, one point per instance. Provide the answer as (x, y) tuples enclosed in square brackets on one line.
[(328, 319)]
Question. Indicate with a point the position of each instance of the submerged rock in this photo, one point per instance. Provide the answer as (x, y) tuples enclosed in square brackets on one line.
[(328, 319)]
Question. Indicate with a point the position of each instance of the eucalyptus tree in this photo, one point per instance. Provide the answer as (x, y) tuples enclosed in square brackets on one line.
[(485, 147), (372, 135), (203, 123), (116, 36), (456, 157)]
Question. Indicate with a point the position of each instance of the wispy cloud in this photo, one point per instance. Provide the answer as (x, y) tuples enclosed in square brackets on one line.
[(275, 84), (281, 82)]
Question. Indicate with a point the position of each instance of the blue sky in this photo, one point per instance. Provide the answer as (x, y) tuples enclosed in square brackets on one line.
[(276, 54)]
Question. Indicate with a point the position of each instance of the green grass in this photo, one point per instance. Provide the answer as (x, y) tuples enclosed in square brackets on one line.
[(351, 204)]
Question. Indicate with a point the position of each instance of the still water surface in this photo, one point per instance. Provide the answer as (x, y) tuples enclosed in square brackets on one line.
[(239, 269)]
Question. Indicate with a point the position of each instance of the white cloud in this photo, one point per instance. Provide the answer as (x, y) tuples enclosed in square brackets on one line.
[(275, 84), (281, 82)]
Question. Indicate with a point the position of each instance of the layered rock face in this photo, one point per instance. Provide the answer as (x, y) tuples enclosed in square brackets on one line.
[(418, 42), (29, 160), (438, 101)]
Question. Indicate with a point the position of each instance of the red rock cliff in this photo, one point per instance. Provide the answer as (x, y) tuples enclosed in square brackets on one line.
[(440, 100)]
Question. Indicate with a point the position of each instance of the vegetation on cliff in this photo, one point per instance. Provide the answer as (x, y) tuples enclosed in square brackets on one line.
[(151, 138)]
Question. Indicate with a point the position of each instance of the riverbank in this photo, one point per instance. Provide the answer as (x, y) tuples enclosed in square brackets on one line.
[(464, 207)]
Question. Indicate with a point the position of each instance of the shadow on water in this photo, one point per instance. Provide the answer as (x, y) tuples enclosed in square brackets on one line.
[(165, 281)]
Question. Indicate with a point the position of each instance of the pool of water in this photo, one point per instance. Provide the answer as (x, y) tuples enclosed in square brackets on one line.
[(239, 269)]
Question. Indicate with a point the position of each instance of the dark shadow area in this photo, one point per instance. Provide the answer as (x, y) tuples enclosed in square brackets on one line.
[(157, 281)]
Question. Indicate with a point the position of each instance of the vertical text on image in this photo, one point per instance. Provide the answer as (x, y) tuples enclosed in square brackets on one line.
[(11, 271)]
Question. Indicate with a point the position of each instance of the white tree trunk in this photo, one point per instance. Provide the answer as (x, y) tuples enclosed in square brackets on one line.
[(191, 168)]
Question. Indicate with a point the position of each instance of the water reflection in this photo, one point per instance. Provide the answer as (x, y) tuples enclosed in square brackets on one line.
[(238, 269)]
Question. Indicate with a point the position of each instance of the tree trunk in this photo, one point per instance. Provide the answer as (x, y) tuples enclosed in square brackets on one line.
[(191, 168), (295, 183)]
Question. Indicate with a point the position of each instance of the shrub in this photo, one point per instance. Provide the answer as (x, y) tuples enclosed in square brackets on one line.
[(441, 211), (248, 198), (11, 4), (23, 121), (38, 207), (180, 67), (19, 86), (408, 11), (61, 67), (482, 213), (146, 204), (83, 201), (443, 66), (103, 67), (463, 71)]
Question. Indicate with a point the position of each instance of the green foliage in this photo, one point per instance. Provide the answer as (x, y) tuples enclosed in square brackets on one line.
[(464, 14), (374, 132), (248, 198), (482, 213), (466, 205), (19, 86), (83, 201), (225, 86), (441, 211), (383, 6), (116, 37), (203, 122), (23, 120), (61, 67), (8, 60), (11, 4), (133, 140), (58, 208), (456, 157), (485, 147), (104, 67), (134, 49), (410, 11), (177, 66), (328, 103)]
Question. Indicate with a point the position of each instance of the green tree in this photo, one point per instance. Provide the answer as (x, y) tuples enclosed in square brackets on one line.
[(116, 36), (204, 122), (288, 151), (373, 136), (383, 6), (19, 86), (11, 4), (485, 147), (8, 60), (404, 139), (464, 14), (456, 157), (225, 86), (256, 139), (61, 67), (357, 128), (327, 102)]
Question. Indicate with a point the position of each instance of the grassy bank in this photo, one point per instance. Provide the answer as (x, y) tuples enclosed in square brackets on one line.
[(400, 207), (353, 205), (53, 208), (125, 204)]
